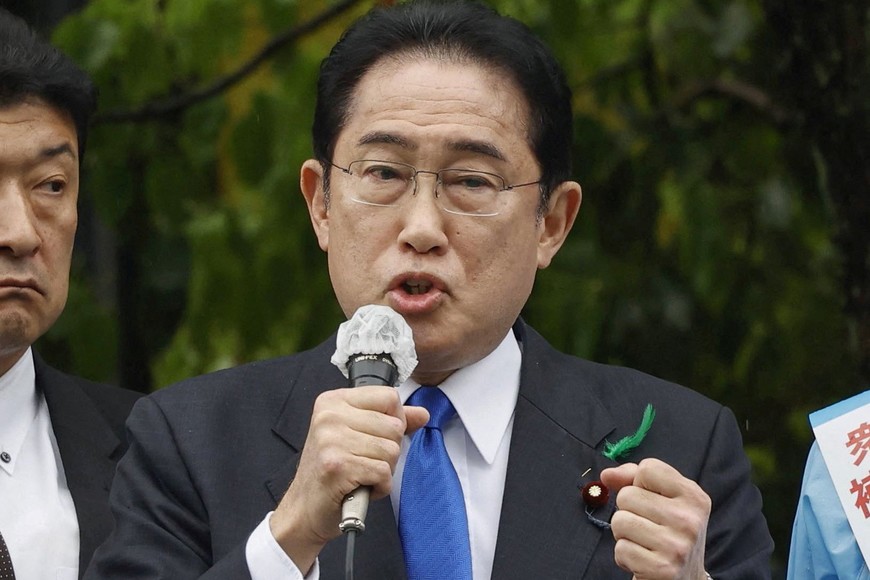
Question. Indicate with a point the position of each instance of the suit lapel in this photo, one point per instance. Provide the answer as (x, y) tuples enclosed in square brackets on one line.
[(87, 448), (314, 376), (558, 428)]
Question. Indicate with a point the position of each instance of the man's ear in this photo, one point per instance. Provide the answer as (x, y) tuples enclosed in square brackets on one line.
[(311, 184), (558, 221)]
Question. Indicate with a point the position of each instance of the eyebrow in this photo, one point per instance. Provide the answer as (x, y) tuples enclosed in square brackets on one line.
[(481, 147), (56, 151), (466, 145), (377, 137)]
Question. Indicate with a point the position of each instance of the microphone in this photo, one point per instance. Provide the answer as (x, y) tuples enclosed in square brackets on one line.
[(374, 347)]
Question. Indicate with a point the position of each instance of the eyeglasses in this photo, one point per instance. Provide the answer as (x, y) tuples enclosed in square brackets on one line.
[(457, 191)]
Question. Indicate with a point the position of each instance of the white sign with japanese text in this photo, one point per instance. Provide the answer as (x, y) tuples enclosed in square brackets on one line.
[(843, 433)]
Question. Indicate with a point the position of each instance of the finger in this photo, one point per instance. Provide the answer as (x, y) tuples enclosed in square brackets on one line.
[(350, 443), (687, 513), (373, 398), (644, 503), (372, 473), (415, 418), (626, 525), (347, 459), (372, 447), (644, 564), (659, 477), (350, 431), (615, 478), (369, 410), (372, 423), (645, 549), (673, 530)]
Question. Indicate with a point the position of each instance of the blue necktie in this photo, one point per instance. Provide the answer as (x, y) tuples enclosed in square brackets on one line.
[(432, 521)]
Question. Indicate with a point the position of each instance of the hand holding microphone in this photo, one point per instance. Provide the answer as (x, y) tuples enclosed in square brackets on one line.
[(374, 347), (354, 436)]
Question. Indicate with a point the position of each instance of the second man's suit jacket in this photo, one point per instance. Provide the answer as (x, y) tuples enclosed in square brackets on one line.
[(88, 423), (211, 456)]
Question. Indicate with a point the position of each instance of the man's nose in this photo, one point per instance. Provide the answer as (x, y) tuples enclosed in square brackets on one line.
[(422, 217), (432, 176), (18, 233)]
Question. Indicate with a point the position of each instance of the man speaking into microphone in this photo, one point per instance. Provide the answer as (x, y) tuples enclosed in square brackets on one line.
[(440, 183)]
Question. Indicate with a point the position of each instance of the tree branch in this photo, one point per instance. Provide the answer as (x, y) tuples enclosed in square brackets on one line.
[(736, 89), (613, 71), (171, 106)]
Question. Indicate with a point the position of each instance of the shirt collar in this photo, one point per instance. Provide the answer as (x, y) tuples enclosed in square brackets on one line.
[(484, 395), (19, 403)]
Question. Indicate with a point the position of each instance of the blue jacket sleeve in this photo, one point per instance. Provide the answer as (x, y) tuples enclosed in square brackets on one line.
[(822, 544)]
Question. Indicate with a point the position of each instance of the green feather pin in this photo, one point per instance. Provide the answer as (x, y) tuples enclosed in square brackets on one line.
[(615, 451)]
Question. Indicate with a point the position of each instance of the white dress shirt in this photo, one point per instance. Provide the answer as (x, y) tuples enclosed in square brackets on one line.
[(37, 514), (478, 441)]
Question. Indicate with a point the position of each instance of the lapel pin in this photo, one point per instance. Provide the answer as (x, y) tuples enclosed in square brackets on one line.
[(618, 450), (594, 493)]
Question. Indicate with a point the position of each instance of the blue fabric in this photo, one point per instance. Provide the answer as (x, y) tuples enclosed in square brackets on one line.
[(433, 524), (822, 544)]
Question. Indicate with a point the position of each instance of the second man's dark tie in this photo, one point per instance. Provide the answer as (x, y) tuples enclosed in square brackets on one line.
[(6, 570)]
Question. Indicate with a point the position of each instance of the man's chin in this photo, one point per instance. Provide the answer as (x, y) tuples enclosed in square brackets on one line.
[(18, 331)]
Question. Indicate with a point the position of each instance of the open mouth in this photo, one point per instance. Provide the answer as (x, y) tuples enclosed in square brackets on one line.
[(414, 287)]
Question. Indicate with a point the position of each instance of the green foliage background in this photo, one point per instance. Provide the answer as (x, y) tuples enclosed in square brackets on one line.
[(709, 250)]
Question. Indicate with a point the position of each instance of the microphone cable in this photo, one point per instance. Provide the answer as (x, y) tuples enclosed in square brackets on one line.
[(350, 533), (353, 524)]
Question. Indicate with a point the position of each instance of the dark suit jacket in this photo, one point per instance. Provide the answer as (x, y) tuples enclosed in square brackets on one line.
[(209, 457), (88, 423)]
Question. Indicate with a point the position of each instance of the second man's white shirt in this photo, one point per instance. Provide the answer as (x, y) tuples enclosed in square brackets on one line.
[(37, 515)]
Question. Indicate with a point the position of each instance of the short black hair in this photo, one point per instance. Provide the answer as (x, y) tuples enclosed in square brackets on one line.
[(462, 31), (30, 68)]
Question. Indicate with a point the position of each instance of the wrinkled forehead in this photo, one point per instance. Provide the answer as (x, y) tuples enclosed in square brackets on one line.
[(31, 128), (499, 81), (12, 100)]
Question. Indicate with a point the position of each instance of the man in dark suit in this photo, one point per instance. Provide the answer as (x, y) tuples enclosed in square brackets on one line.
[(440, 184), (60, 436)]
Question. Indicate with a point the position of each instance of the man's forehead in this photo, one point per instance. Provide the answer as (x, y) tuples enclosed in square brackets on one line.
[(35, 130), (37, 107), (384, 94), (501, 79)]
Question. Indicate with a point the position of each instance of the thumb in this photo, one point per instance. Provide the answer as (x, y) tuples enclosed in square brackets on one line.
[(616, 478), (415, 417)]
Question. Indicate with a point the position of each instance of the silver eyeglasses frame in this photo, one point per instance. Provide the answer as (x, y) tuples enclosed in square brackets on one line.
[(414, 172)]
